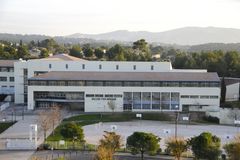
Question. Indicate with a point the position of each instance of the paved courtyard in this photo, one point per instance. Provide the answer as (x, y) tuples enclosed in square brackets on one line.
[(94, 132)]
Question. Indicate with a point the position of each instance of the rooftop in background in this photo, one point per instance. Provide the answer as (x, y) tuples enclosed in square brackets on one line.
[(129, 76), (7, 63), (63, 57), (231, 80)]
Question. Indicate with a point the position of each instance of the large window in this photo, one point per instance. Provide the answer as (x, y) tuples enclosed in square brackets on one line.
[(136, 100), (165, 100), (152, 100), (174, 101), (3, 78), (156, 100), (146, 100)]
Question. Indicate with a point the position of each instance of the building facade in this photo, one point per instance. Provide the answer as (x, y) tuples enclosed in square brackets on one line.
[(104, 86), (7, 77)]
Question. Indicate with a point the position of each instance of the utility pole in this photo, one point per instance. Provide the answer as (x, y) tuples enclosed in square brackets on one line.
[(176, 124)]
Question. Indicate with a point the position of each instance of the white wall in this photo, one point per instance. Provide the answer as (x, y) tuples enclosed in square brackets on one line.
[(232, 92), (94, 106), (8, 89)]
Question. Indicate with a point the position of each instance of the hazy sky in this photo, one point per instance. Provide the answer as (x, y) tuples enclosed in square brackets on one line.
[(63, 17)]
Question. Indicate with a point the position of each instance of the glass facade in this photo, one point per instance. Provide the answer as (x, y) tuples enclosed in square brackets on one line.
[(151, 100)]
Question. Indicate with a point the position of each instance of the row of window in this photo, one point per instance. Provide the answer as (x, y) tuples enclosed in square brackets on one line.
[(4, 79), (6, 69), (59, 95), (104, 95), (100, 66), (151, 100), (124, 83), (7, 87), (199, 96)]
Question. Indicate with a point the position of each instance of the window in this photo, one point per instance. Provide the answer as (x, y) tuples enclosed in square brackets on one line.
[(204, 97), (113, 83), (174, 101), (66, 66), (156, 100), (3, 79), (134, 67), (11, 79), (184, 96), (136, 100), (165, 103), (152, 67), (50, 66), (213, 97), (98, 95), (146, 100), (89, 95), (117, 67), (194, 96), (83, 66), (100, 66)]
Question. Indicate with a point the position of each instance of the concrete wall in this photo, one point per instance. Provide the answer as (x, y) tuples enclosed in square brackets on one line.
[(7, 87), (228, 115), (20, 144), (232, 92), (100, 105)]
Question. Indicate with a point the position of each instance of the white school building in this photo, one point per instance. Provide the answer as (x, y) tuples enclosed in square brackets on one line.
[(90, 86)]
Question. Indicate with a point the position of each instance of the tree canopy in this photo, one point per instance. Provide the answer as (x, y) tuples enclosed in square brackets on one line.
[(206, 146), (143, 142)]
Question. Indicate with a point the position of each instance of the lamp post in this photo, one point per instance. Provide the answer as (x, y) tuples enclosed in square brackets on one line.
[(176, 121)]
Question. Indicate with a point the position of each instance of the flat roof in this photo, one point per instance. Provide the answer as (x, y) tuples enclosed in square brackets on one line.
[(128, 76), (7, 63), (62, 57)]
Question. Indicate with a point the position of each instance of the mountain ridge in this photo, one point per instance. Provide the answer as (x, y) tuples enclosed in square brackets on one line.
[(180, 36)]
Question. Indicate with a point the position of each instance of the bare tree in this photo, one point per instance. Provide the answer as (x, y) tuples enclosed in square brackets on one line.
[(43, 120), (56, 116), (112, 105)]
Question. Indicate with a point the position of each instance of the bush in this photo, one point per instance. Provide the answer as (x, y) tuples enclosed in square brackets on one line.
[(211, 119), (44, 147), (233, 149)]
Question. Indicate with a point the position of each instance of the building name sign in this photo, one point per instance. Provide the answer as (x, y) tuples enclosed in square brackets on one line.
[(104, 99)]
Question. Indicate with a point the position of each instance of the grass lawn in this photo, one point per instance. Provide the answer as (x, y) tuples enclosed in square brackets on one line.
[(87, 119), (5, 125)]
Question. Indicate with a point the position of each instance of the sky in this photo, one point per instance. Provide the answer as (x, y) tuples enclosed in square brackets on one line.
[(65, 17)]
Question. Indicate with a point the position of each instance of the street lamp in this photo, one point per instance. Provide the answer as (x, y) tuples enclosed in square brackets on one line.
[(176, 121)]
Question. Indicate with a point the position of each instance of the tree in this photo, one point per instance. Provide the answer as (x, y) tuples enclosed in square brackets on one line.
[(76, 51), (114, 51), (108, 145), (223, 90), (44, 53), (142, 49), (71, 131), (87, 50), (112, 105), (176, 146), (99, 53), (143, 142), (206, 146), (50, 44), (233, 149), (43, 119), (22, 52), (55, 116)]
